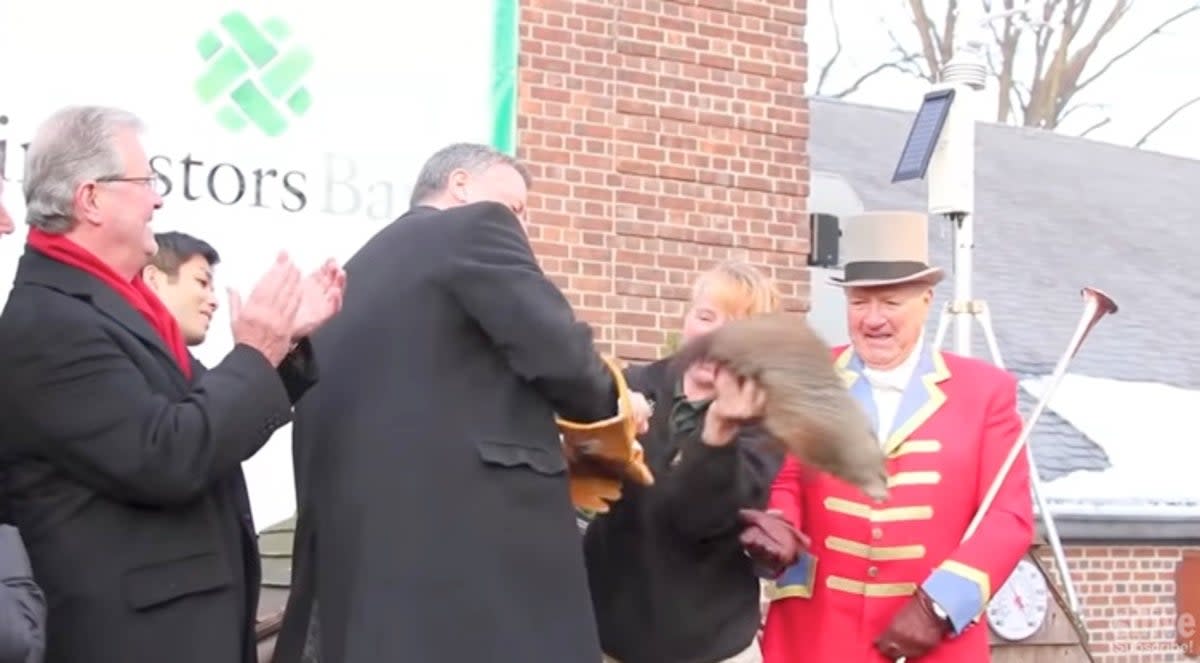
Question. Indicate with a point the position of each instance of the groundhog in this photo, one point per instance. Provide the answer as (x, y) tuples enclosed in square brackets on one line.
[(808, 408)]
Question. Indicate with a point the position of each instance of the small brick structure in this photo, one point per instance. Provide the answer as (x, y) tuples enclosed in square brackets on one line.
[(663, 136), (1127, 597)]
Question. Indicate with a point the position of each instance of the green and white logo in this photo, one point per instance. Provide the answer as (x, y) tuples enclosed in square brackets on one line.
[(252, 75)]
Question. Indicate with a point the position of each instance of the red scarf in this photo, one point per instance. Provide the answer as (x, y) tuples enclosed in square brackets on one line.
[(136, 292)]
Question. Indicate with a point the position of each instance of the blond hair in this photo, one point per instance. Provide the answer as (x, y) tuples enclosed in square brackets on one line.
[(739, 289)]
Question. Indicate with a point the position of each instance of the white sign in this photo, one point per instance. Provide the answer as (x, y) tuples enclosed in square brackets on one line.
[(270, 125)]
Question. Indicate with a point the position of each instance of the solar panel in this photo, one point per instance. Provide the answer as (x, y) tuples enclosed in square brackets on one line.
[(923, 137)]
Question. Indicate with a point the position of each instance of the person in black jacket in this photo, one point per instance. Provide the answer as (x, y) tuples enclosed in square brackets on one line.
[(22, 604), (435, 523), (669, 579), (121, 454)]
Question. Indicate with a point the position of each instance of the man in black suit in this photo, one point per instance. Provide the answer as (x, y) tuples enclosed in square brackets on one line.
[(120, 453), (434, 518)]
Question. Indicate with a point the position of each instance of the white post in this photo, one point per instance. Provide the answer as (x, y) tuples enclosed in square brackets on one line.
[(952, 166)]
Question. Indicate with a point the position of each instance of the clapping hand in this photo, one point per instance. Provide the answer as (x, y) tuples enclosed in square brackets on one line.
[(265, 319), (320, 298)]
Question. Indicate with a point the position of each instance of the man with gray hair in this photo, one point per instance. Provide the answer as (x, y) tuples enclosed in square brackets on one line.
[(434, 517), (121, 454)]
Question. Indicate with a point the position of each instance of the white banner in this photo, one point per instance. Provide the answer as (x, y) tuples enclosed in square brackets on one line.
[(271, 125)]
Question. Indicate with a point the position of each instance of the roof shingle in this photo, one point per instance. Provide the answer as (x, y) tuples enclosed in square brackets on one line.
[(1053, 214)]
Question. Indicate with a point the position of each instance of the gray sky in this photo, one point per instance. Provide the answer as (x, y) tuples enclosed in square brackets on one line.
[(1135, 93)]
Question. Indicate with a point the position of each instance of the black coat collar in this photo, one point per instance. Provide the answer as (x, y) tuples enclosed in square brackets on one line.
[(36, 269)]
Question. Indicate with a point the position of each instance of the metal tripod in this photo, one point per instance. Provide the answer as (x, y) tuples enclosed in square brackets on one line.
[(964, 309)]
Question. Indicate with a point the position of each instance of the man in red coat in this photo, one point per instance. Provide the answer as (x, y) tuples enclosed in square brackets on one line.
[(880, 582)]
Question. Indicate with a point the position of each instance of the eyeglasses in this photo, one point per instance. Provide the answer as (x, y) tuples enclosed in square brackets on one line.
[(150, 182), (146, 181)]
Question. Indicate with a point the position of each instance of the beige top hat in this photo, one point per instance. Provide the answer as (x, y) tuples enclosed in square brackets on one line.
[(886, 248)]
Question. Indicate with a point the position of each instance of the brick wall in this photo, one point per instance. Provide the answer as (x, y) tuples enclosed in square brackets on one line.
[(663, 136), (1128, 600)]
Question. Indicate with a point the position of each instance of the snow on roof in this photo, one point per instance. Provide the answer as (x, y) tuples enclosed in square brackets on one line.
[(1150, 434)]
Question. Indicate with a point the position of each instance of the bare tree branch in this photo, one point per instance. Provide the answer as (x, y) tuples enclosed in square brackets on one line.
[(823, 77), (1058, 83), (898, 65), (946, 43), (912, 67), (1043, 42), (1083, 12), (928, 34), (1008, 55), (1095, 127), (1021, 93), (1039, 77), (1022, 90), (1163, 122), (1135, 46), (1074, 24), (1067, 113)]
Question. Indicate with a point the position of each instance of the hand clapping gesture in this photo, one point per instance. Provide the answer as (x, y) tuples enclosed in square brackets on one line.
[(283, 308), (320, 298)]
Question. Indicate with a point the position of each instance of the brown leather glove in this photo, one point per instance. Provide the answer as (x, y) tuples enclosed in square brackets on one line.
[(594, 494), (771, 541), (597, 480), (914, 631)]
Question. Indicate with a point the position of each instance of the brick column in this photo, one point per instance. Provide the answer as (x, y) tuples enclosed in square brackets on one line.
[(663, 136)]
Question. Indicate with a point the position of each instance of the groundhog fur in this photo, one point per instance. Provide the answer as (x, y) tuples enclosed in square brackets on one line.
[(808, 408)]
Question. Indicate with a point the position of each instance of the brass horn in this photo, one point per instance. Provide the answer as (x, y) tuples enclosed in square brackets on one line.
[(1096, 305)]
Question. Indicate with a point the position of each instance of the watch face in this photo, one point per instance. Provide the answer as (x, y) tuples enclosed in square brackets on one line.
[(1019, 609)]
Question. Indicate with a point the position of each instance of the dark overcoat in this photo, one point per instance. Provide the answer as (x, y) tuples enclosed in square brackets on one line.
[(125, 479), (434, 517)]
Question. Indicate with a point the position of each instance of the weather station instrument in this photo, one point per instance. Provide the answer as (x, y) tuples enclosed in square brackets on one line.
[(1020, 608), (1027, 616)]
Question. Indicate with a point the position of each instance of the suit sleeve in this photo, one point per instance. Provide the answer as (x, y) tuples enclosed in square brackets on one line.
[(787, 498), (298, 371), (703, 493), (22, 604), (963, 584), (91, 413), (492, 272)]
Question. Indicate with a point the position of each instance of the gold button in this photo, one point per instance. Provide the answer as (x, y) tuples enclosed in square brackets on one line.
[(877, 533), (873, 571)]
